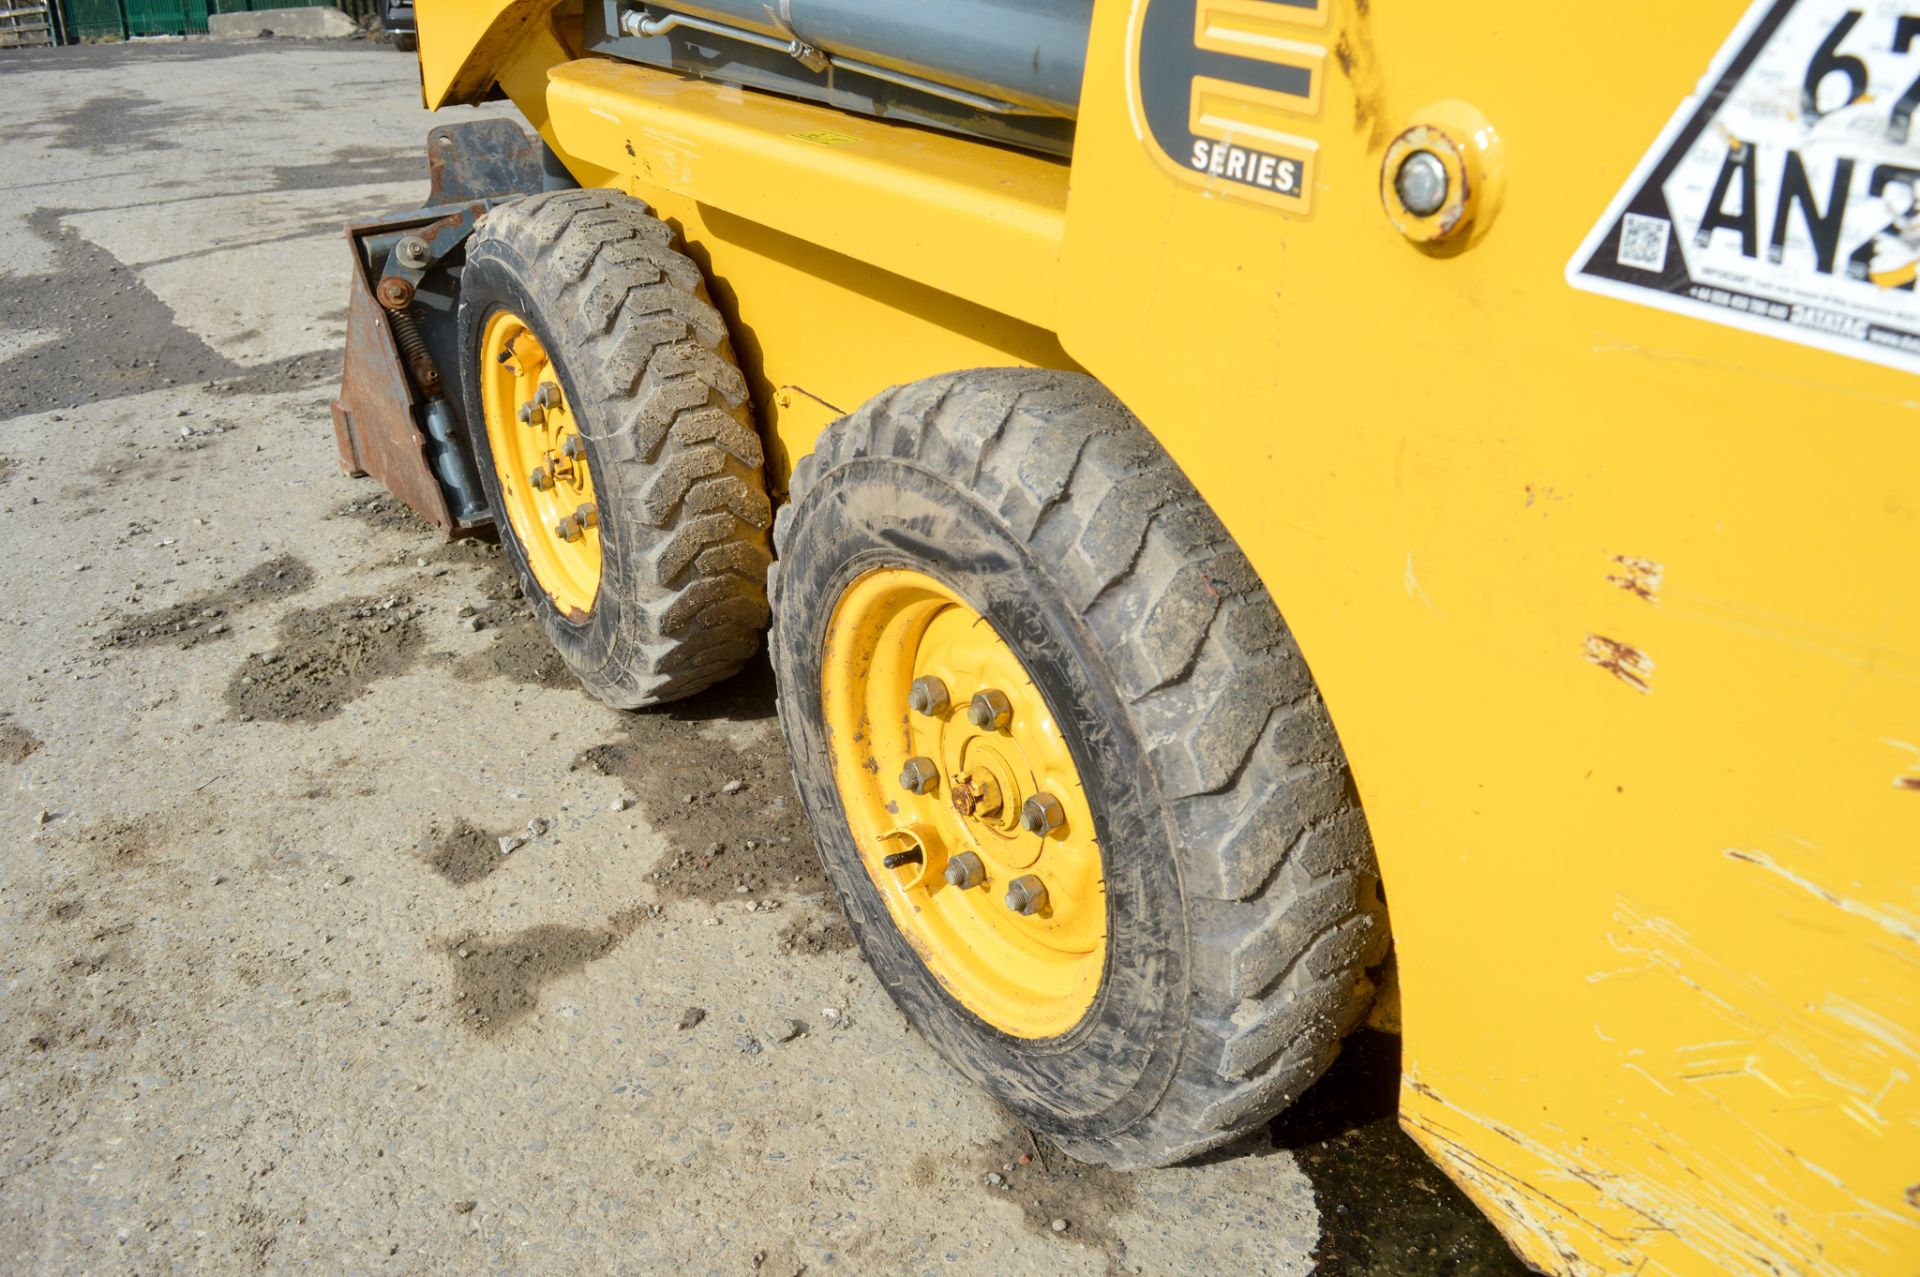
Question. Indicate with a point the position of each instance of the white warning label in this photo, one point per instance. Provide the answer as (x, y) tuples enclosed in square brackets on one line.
[(1782, 197)]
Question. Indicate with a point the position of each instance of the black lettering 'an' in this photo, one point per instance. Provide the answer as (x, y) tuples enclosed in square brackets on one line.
[(1742, 162), (1795, 188)]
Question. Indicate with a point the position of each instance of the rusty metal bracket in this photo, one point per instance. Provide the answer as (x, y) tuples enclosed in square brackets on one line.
[(393, 418)]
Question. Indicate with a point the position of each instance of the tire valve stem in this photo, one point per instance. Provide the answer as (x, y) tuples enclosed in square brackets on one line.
[(901, 859)]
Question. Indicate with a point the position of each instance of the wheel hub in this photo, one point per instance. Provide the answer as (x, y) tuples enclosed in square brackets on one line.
[(1011, 921), (540, 460)]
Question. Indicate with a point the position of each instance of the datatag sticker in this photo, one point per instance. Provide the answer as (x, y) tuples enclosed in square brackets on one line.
[(1781, 198)]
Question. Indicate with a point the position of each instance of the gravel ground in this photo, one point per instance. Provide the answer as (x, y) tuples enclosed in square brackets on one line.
[(275, 999)]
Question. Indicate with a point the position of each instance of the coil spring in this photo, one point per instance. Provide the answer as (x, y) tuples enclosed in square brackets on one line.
[(413, 349)]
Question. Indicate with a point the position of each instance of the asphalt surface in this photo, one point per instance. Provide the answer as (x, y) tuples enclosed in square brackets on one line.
[(273, 998)]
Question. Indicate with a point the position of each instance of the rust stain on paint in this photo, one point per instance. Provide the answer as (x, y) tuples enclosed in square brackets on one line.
[(1639, 577), (1622, 660)]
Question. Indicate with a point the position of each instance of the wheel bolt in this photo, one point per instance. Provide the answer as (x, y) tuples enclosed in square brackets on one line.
[(990, 710), (548, 396), (919, 776), (1042, 814), (928, 696), (531, 415), (976, 794), (572, 449), (1026, 895), (965, 871), (541, 478), (568, 529), (588, 515)]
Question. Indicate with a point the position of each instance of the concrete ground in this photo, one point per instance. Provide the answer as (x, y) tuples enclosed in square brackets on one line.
[(274, 1001)]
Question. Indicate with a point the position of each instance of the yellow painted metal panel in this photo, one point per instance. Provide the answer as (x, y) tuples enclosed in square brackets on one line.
[(1617, 612), (979, 222)]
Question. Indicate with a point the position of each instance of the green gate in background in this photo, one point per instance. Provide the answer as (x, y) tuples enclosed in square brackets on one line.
[(122, 19)]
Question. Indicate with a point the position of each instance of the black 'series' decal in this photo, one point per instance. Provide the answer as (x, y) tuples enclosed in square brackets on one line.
[(1207, 97)]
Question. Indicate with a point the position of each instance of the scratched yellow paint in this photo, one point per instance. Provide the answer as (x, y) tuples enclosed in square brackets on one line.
[(1617, 612)]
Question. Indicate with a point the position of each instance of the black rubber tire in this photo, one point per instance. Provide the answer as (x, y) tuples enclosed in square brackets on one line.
[(406, 41), (1243, 904), (644, 361)]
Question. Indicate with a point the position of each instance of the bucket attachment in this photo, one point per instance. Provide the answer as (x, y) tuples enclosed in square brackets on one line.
[(396, 417)]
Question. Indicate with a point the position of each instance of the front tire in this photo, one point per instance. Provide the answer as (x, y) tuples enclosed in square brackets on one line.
[(1242, 910), (648, 434)]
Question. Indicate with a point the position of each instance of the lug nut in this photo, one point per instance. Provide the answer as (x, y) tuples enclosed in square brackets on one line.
[(412, 252), (588, 515), (1422, 183), (919, 776), (541, 478), (568, 529), (928, 696), (965, 871), (573, 449), (1042, 814), (1026, 895), (548, 396), (990, 710), (901, 859), (532, 415)]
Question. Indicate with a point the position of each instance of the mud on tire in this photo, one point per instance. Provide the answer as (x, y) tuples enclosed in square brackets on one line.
[(644, 358), (1243, 910)]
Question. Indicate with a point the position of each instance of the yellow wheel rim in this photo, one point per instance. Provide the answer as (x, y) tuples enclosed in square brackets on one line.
[(541, 462), (1028, 974)]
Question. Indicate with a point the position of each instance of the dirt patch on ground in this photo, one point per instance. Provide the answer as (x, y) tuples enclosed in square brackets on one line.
[(497, 983), (730, 818), (124, 844), (1049, 1187), (817, 934), (520, 651), (17, 744), (383, 512), (326, 657), (6, 468), (1385, 1209), (207, 616), (463, 854)]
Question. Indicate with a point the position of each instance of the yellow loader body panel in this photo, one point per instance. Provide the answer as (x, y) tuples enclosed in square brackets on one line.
[(1616, 609)]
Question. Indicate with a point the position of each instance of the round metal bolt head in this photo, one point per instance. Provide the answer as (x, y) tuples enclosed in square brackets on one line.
[(928, 696), (1026, 895), (568, 529), (1042, 814), (919, 776), (412, 251), (541, 479), (1422, 183), (965, 871), (990, 710)]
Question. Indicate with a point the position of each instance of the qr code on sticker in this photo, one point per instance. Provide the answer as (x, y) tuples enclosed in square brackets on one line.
[(1643, 242)]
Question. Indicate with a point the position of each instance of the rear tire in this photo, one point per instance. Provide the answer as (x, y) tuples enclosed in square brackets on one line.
[(646, 369), (406, 41), (1242, 903)]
